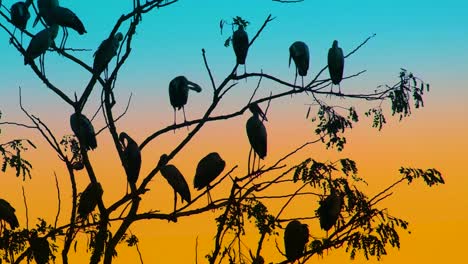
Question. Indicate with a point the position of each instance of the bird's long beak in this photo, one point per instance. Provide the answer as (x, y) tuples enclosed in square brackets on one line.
[(255, 109), (195, 87), (290, 57)]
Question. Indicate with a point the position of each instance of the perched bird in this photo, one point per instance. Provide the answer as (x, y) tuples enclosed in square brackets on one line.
[(40, 248), (7, 214), (177, 181), (208, 169), (256, 132), (329, 210), (105, 52), (296, 237), (20, 14), (83, 130), (299, 52), (336, 64), (66, 18), (44, 7), (240, 44), (39, 45), (178, 93), (89, 199), (132, 159)]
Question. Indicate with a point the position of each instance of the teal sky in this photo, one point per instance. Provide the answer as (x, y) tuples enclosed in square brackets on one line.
[(428, 38)]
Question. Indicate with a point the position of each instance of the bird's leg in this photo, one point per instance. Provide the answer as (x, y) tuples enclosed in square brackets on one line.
[(253, 163), (248, 161), (185, 120), (106, 74), (174, 119), (245, 71), (175, 201)]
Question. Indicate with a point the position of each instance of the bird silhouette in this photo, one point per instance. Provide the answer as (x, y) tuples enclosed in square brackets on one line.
[(83, 130), (7, 214), (256, 132), (44, 7), (65, 18), (336, 64), (132, 159), (40, 248), (89, 199), (299, 52), (39, 45), (105, 52), (20, 15), (178, 93), (240, 44), (329, 210), (177, 181), (296, 237), (208, 169)]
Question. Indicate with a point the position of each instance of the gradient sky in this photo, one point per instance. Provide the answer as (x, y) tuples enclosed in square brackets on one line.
[(428, 39)]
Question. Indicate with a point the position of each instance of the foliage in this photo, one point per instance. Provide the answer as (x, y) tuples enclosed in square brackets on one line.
[(362, 225)]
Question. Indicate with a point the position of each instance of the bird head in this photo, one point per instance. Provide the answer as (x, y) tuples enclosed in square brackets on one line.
[(118, 36), (163, 160), (256, 110), (335, 44), (122, 137)]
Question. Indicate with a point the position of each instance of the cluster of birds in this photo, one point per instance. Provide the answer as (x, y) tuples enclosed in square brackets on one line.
[(296, 234), (207, 170), (298, 52), (56, 16)]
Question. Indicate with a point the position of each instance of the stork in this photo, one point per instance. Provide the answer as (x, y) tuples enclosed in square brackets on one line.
[(336, 65), (178, 93), (208, 169)]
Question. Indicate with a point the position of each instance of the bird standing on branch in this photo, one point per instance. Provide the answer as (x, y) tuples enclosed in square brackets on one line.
[(296, 237), (299, 52), (105, 52), (89, 199), (336, 65), (178, 93), (84, 131), (240, 44), (177, 181), (65, 18), (20, 15), (39, 44), (131, 159), (256, 132), (208, 169)]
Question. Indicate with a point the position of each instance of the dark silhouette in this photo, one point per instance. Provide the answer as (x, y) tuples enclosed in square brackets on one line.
[(240, 44), (132, 159), (44, 7), (299, 52), (66, 18), (178, 93), (89, 199), (105, 52), (208, 169), (84, 131), (40, 248), (329, 210), (177, 181), (20, 14), (7, 214), (256, 131), (39, 45), (296, 236), (336, 64)]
